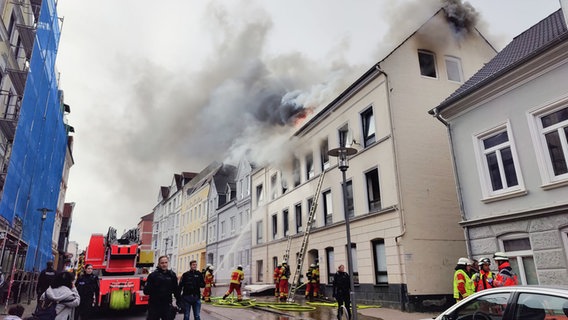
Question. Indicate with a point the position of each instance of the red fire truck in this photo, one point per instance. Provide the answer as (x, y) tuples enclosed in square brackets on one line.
[(121, 266)]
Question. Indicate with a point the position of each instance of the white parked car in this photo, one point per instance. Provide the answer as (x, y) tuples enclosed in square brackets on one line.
[(512, 303)]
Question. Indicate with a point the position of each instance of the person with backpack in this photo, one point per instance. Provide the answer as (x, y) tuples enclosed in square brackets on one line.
[(161, 285), (59, 301)]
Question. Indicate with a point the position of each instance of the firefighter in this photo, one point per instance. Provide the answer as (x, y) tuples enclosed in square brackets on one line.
[(463, 285), (276, 278), (284, 274), (506, 276), (237, 278), (312, 287), (209, 282), (484, 278)]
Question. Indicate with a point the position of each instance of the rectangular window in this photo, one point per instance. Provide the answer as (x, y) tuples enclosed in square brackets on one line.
[(327, 207), (296, 172), (519, 250), (368, 124), (259, 232), (427, 61), (274, 226), (259, 271), (285, 222), (309, 166), (343, 134), (498, 159), (550, 134), (259, 195), (310, 204), (355, 265), (223, 230), (330, 264), (273, 188), (349, 199), (380, 261), (298, 214), (373, 190), (324, 149), (454, 69), (233, 225)]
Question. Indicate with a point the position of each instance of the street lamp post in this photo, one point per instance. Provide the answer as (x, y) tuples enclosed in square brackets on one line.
[(343, 163), (44, 212), (166, 251)]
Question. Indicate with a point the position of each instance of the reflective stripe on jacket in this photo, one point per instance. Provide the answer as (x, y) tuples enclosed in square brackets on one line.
[(463, 285)]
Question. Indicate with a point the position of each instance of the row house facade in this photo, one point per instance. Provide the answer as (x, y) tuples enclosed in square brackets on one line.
[(401, 198), (229, 235), (165, 227), (508, 131)]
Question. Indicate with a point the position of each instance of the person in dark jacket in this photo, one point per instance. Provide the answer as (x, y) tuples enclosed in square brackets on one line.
[(88, 287), (341, 291), (189, 287), (161, 285), (46, 278)]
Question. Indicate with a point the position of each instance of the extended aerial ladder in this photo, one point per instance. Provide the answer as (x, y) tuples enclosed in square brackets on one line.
[(295, 280)]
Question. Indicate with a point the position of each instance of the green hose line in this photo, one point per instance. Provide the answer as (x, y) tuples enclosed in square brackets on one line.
[(334, 304), (292, 308)]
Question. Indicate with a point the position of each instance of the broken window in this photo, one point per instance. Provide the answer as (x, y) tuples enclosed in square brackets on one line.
[(368, 122), (427, 62)]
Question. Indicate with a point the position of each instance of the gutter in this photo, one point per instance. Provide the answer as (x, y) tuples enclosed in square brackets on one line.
[(403, 292), (436, 114)]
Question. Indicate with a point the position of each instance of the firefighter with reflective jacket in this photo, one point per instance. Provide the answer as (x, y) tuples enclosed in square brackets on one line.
[(276, 278), (312, 287), (237, 278), (506, 276), (484, 278), (283, 275), (463, 285), (209, 282)]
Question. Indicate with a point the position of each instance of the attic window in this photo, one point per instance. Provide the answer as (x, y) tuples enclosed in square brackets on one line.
[(427, 62)]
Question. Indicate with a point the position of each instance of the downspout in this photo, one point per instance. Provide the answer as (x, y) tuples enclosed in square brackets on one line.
[(403, 292), (435, 113)]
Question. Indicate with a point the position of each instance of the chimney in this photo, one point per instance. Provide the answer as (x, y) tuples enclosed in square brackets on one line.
[(564, 6)]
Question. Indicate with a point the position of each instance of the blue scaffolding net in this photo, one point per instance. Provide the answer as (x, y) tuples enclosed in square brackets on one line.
[(38, 153)]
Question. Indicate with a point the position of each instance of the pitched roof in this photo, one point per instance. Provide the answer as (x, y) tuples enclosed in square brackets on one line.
[(525, 46)]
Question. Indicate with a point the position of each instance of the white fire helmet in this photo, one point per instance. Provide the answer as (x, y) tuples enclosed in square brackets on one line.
[(313, 265), (464, 261), (500, 256)]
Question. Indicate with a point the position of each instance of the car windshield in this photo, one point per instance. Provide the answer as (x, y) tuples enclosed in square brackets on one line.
[(485, 307)]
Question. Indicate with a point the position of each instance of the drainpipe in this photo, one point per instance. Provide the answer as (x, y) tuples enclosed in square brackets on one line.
[(402, 222), (435, 113)]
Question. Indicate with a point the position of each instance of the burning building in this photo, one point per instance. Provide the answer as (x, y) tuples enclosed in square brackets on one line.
[(401, 196)]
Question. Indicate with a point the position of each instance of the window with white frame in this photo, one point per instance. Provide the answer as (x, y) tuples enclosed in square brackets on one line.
[(549, 126), (427, 61), (223, 230), (330, 259), (296, 175), (380, 261), (274, 225), (298, 214), (373, 190), (259, 232), (518, 249), (368, 125), (327, 207), (273, 188), (498, 163), (233, 221), (454, 69), (285, 218), (324, 149), (355, 264), (309, 166), (259, 195)]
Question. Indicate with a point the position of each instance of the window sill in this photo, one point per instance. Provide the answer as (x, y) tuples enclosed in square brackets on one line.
[(504, 196), (555, 184)]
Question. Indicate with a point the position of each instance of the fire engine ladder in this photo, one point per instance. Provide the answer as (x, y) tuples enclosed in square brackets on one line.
[(295, 280)]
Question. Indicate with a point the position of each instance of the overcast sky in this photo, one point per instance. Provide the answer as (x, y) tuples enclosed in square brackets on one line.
[(160, 89)]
